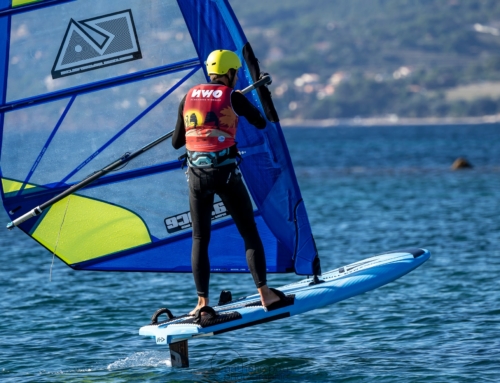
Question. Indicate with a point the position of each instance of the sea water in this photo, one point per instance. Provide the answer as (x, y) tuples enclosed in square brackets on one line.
[(367, 190)]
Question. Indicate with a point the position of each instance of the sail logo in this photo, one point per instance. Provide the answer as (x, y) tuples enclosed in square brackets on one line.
[(96, 43), (183, 221), (206, 93)]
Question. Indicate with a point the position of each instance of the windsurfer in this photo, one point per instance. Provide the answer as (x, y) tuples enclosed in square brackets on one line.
[(207, 123)]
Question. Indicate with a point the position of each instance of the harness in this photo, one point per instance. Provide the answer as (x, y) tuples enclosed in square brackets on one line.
[(203, 160)]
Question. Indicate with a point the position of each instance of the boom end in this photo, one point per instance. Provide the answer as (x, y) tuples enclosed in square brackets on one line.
[(11, 225)]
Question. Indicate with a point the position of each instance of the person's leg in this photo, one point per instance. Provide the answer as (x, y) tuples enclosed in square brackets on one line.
[(200, 201), (234, 194)]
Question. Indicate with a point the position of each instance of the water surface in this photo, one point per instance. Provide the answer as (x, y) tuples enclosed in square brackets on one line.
[(367, 190)]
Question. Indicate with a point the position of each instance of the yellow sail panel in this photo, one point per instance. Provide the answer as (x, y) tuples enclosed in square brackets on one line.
[(17, 3), (10, 186), (78, 229)]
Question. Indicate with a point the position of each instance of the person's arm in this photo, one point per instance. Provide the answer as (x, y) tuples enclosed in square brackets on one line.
[(245, 108), (179, 136)]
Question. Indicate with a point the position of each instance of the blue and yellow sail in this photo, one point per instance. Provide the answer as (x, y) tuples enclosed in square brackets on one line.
[(84, 81), (17, 3)]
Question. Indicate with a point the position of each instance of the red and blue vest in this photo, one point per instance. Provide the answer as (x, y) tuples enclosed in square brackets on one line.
[(209, 118)]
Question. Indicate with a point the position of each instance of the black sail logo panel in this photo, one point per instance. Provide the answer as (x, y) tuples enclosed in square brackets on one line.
[(182, 221), (96, 43)]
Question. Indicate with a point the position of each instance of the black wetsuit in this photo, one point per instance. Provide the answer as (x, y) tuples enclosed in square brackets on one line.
[(227, 183)]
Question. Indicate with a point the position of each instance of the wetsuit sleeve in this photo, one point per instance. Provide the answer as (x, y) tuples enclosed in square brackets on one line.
[(244, 108), (179, 137)]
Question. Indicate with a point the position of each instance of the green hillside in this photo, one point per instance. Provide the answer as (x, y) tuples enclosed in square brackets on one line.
[(347, 58)]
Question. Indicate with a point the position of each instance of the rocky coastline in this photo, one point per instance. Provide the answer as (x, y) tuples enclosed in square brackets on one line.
[(391, 120)]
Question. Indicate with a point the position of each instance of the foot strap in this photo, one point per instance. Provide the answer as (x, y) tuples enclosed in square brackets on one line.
[(154, 318), (285, 300), (205, 309), (225, 297)]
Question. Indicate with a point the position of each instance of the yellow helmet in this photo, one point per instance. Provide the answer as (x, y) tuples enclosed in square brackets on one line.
[(220, 61)]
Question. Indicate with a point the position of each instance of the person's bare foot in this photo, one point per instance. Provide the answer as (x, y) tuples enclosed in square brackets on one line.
[(201, 302), (267, 296)]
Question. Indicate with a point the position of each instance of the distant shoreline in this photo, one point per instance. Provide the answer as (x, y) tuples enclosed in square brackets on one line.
[(389, 121)]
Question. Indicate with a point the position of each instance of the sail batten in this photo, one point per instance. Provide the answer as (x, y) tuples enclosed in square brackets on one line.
[(46, 190), (93, 87), (83, 83)]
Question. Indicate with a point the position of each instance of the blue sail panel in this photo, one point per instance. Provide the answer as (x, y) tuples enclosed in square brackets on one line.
[(85, 82), (267, 166)]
